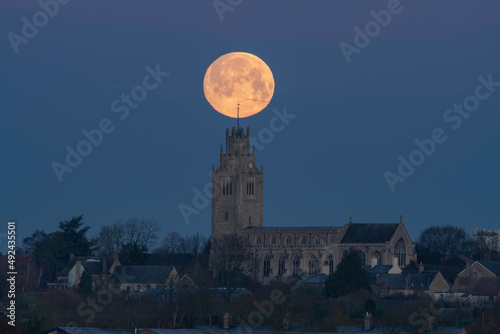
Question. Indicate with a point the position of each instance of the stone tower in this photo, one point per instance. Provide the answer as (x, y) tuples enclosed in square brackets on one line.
[(237, 186)]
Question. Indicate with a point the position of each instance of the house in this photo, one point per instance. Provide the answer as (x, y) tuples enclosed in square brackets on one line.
[(393, 280), (140, 278), (99, 269), (480, 269)]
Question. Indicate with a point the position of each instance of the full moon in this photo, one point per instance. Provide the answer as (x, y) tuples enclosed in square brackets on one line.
[(238, 78)]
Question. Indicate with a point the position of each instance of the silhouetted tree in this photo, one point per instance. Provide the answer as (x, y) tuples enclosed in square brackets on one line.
[(171, 244), (438, 242), (85, 286)]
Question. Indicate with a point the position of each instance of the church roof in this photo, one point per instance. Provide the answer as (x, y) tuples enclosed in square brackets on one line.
[(368, 233), (292, 227)]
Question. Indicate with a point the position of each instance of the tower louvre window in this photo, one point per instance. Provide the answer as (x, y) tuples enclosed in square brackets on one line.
[(250, 188), (226, 216)]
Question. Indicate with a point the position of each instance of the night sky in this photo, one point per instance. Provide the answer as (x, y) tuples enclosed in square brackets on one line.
[(355, 101)]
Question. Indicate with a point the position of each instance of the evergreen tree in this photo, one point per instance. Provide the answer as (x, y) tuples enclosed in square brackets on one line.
[(348, 277), (85, 285)]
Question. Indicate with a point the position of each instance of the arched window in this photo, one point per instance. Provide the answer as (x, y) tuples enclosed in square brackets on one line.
[(362, 257), (331, 264), (313, 266), (223, 188), (288, 240), (281, 265), (318, 241), (258, 241), (230, 188), (377, 256), (249, 220), (296, 265), (226, 216), (273, 240), (400, 252), (304, 240), (267, 266)]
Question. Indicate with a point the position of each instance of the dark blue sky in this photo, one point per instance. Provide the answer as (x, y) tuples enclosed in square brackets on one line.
[(352, 120)]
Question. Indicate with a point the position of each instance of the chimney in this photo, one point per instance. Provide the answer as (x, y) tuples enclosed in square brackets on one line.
[(368, 321), (395, 268), (420, 267), (71, 256), (78, 272), (468, 271), (104, 266), (373, 262)]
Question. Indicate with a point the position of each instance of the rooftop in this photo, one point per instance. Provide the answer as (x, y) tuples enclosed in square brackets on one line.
[(369, 233)]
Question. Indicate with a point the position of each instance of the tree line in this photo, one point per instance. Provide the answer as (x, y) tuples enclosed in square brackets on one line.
[(132, 240)]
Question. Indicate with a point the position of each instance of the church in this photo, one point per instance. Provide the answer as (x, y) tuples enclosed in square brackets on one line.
[(281, 252)]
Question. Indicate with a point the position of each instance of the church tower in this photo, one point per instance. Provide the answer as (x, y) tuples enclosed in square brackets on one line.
[(237, 186)]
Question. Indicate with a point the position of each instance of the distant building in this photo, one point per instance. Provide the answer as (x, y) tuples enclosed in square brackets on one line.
[(280, 252), (138, 279), (99, 269)]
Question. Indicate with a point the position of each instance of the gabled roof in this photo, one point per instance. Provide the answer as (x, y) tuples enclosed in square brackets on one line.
[(378, 269), (492, 266), (142, 274), (409, 279), (369, 233)]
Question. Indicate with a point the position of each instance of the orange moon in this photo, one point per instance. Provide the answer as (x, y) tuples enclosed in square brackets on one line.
[(238, 77)]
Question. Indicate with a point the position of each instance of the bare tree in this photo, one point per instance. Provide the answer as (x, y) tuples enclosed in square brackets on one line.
[(193, 244), (230, 258), (142, 233), (437, 242), (110, 239), (173, 243), (135, 233)]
